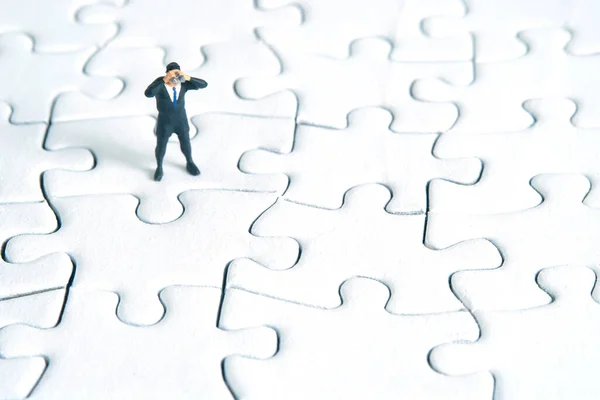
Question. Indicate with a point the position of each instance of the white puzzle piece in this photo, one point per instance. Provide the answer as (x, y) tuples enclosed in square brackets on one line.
[(549, 352), (125, 161), (329, 27), (551, 145), (356, 241), (325, 163), (493, 102), (355, 351), (560, 231), (180, 357), (582, 22), (136, 259), (52, 24), (496, 23), (138, 67), (34, 79), (24, 159), (183, 27), (50, 272), (18, 376), (328, 89)]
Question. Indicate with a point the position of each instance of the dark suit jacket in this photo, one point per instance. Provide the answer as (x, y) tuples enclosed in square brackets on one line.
[(167, 113)]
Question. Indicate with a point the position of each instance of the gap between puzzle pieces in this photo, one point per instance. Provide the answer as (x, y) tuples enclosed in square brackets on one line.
[(355, 240), (495, 25), (511, 159), (180, 356), (560, 231), (124, 153), (136, 260), (549, 367), (324, 163), (224, 64), (338, 337), (493, 101), (37, 78)]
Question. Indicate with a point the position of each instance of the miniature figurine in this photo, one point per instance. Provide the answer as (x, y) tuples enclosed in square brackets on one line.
[(169, 91)]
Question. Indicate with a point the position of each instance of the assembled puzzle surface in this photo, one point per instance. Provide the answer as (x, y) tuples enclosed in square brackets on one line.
[(397, 199)]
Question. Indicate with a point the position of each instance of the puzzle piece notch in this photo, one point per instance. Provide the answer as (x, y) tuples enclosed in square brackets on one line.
[(549, 367), (328, 89), (233, 20), (495, 25), (388, 367), (560, 231), (36, 78), (47, 273), (143, 258), (123, 361), (137, 67), (583, 25), (325, 163), (353, 241), (53, 25), (330, 27), (25, 159), (490, 105), (551, 145), (125, 162)]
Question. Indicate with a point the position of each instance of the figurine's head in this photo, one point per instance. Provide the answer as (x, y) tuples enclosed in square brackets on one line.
[(173, 66)]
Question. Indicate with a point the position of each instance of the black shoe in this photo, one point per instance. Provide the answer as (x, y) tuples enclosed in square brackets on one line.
[(158, 174), (192, 169)]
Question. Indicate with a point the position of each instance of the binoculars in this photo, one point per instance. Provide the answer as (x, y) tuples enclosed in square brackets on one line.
[(177, 79)]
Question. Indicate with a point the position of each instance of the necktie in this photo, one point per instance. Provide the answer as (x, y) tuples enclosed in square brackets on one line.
[(174, 97)]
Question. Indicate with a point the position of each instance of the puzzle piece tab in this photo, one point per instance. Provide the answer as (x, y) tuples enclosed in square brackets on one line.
[(36, 78), (355, 241), (53, 24), (183, 27), (560, 231), (328, 89), (496, 23), (549, 352), (511, 159), (339, 353), (180, 357), (325, 163), (136, 260), (583, 23), (124, 150), (24, 159), (53, 271), (493, 102)]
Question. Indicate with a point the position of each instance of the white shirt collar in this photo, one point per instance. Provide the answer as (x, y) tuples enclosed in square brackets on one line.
[(170, 89)]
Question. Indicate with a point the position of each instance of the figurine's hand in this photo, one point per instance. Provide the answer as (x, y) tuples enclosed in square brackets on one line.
[(187, 77)]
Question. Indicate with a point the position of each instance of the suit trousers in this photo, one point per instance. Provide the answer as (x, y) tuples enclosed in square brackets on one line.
[(164, 132)]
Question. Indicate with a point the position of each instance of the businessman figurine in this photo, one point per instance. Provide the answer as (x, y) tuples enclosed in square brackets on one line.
[(169, 91)]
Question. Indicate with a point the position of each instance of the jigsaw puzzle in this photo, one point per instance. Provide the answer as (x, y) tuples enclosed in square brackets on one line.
[(340, 336), (124, 361), (536, 338), (396, 199)]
